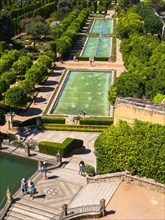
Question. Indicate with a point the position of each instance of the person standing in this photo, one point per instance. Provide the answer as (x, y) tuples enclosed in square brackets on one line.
[(81, 167), (24, 186), (90, 61), (31, 188), (44, 170)]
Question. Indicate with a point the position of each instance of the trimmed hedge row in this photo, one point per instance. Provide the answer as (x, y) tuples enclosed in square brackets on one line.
[(60, 127), (96, 121), (49, 119), (64, 148)]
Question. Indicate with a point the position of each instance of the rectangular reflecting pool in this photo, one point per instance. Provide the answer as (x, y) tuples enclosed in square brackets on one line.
[(97, 47), (12, 170), (84, 91), (102, 26)]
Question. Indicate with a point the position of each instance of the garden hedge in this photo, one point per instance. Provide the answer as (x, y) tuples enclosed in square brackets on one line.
[(49, 119), (96, 121), (64, 148), (86, 128)]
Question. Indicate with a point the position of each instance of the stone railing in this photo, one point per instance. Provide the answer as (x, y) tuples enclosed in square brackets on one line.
[(140, 103), (124, 176)]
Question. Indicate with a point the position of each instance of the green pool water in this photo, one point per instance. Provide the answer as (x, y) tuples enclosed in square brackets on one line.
[(103, 26), (84, 90), (12, 170), (97, 47)]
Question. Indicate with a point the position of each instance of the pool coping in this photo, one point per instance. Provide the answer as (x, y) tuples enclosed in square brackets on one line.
[(48, 113)]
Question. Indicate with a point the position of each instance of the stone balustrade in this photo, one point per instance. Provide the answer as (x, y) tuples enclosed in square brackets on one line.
[(122, 176)]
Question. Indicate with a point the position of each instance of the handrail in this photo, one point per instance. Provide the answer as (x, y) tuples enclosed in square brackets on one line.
[(83, 209), (80, 210)]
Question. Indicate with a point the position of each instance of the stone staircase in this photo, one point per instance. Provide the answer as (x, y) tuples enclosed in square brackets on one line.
[(31, 210), (92, 193)]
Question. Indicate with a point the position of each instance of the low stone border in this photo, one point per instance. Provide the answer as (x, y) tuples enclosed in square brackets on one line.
[(123, 176)]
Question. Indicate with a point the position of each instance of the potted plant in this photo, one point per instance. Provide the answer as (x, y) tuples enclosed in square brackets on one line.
[(89, 170)]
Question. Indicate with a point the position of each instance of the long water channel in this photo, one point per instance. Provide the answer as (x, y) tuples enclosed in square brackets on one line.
[(99, 46)]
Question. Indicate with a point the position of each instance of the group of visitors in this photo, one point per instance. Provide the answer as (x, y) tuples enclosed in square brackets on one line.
[(28, 187)]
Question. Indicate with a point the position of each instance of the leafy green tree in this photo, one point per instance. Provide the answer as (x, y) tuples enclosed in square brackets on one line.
[(127, 85), (45, 60), (155, 86), (3, 85), (130, 24), (144, 10), (15, 97), (63, 8), (21, 65), (159, 98), (9, 77), (153, 24), (140, 147), (36, 73), (28, 86), (19, 68), (27, 60), (36, 30), (64, 45)]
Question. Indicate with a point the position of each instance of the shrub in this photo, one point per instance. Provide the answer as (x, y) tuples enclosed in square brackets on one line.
[(101, 58), (90, 170), (54, 120), (96, 121), (64, 148)]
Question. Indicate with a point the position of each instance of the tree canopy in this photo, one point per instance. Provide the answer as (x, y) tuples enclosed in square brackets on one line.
[(16, 97), (140, 148)]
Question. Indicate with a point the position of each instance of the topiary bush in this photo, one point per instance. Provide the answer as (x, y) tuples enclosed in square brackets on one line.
[(52, 148)]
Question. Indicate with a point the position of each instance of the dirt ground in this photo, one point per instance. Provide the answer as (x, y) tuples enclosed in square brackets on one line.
[(132, 202)]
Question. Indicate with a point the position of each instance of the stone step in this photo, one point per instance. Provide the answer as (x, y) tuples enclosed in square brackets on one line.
[(34, 209), (38, 206), (15, 216), (29, 215), (91, 194)]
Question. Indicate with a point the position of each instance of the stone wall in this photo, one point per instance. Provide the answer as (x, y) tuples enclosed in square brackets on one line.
[(123, 176), (129, 109)]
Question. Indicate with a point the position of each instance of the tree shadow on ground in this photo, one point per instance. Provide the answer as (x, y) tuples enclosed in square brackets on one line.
[(59, 68), (30, 112), (78, 151), (55, 74), (51, 83), (39, 99), (46, 89)]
